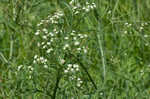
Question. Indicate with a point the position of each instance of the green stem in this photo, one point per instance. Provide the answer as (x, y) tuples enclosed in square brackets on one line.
[(57, 84)]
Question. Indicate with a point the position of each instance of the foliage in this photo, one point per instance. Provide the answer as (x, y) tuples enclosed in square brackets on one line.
[(79, 49)]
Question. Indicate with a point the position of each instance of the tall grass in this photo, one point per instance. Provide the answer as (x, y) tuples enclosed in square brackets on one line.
[(58, 49)]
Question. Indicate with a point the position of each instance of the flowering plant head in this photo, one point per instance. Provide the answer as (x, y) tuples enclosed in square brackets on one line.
[(60, 46)]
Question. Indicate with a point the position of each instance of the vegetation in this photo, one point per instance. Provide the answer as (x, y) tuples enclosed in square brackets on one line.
[(79, 49)]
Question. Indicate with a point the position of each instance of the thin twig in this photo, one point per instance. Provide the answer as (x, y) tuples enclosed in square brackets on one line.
[(84, 68), (57, 83), (88, 74)]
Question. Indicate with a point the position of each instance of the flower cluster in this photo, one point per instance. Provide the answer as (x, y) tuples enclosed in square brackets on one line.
[(28, 69), (73, 42), (77, 42), (128, 24), (40, 60), (47, 39), (77, 8), (139, 28), (142, 26), (55, 41), (89, 7), (71, 68), (78, 80), (70, 71), (52, 19)]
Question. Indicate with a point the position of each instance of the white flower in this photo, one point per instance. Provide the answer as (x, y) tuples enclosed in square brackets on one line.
[(72, 69), (125, 32), (43, 43), (41, 58), (73, 31), (85, 50), (62, 61), (141, 28), (48, 43), (75, 65), (45, 66), (37, 33), (79, 79), (87, 3), (83, 8), (42, 20), (77, 69), (45, 30), (30, 77), (101, 93), (130, 25), (35, 57), (71, 78), (85, 35), (74, 7), (71, 2), (66, 71), (68, 68), (34, 61), (126, 23), (87, 10), (78, 5), (44, 37), (146, 44), (66, 38), (47, 22), (109, 12), (75, 38), (66, 46), (45, 60), (94, 5), (146, 23), (79, 49), (38, 59), (78, 84), (51, 34), (49, 50), (145, 36), (76, 43), (69, 65), (72, 34), (55, 30), (38, 44), (81, 36), (44, 46), (31, 68), (76, 12), (19, 67), (142, 24), (52, 40), (38, 24)]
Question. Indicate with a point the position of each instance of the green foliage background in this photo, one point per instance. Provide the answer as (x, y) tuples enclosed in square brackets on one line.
[(125, 58)]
